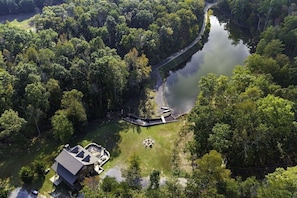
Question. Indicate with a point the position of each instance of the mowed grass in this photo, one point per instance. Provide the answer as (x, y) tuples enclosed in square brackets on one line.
[(25, 24), (12, 158), (121, 139), (129, 142), (159, 157)]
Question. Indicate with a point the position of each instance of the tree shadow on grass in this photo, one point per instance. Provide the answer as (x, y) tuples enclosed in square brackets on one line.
[(14, 156), (106, 134), (136, 128), (35, 185)]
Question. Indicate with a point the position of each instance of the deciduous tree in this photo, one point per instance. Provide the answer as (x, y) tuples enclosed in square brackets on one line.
[(36, 103), (72, 104), (133, 173), (10, 122), (62, 126)]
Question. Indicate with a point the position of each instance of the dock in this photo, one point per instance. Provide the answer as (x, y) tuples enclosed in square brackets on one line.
[(145, 122)]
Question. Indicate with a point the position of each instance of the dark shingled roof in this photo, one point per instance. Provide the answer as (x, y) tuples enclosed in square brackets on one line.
[(69, 162), (64, 173)]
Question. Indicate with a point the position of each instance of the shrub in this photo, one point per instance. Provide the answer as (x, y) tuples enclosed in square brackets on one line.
[(26, 174)]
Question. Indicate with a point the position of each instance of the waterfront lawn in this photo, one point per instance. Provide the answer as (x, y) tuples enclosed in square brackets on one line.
[(121, 139), (130, 142)]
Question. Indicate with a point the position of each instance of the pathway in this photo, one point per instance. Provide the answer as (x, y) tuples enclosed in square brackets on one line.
[(116, 172)]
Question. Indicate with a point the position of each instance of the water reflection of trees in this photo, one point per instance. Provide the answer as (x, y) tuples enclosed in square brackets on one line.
[(237, 32)]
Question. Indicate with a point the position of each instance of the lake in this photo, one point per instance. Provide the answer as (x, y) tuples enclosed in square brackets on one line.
[(219, 55)]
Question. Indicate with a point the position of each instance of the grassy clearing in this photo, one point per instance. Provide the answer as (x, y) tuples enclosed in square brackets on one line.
[(124, 140), (13, 158), (120, 138), (158, 157), (22, 21), (25, 24)]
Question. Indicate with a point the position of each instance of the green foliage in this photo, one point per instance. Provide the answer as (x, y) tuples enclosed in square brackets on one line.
[(92, 193), (138, 68), (36, 103), (32, 172), (154, 179), (173, 188), (258, 15), (26, 174), (241, 117), (109, 184), (133, 173), (126, 25), (111, 188), (220, 137), (5, 188), (211, 178), (276, 112), (39, 168), (6, 90), (72, 105), (249, 187), (24, 6), (14, 41), (62, 126), (55, 95), (101, 49), (89, 57), (281, 183), (10, 123)]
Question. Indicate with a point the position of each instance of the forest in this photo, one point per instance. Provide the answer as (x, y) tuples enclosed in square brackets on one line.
[(89, 58), (85, 59)]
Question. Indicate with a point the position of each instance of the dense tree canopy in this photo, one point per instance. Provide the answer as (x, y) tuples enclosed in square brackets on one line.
[(244, 118), (250, 117), (155, 29), (87, 58), (258, 15)]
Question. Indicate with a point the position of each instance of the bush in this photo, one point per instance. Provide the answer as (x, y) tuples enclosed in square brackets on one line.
[(5, 188), (26, 174), (39, 168)]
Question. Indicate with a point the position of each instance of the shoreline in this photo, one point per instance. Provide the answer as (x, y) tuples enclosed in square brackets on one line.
[(160, 82)]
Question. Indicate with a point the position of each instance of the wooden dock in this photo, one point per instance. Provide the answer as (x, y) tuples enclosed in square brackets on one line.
[(149, 122)]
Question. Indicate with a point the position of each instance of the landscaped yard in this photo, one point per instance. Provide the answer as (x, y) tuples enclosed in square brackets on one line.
[(128, 141), (121, 139)]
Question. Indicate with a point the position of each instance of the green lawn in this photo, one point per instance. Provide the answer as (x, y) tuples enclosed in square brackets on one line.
[(25, 24), (158, 157), (124, 140), (12, 158), (120, 138)]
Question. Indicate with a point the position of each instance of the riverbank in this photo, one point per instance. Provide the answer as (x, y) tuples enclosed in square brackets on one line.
[(175, 60)]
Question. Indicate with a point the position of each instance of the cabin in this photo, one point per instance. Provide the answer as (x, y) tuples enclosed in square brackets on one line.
[(72, 165)]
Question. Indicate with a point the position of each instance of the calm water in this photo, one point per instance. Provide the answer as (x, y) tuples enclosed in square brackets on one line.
[(219, 55)]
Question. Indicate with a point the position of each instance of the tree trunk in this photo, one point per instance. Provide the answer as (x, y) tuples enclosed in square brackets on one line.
[(37, 127)]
